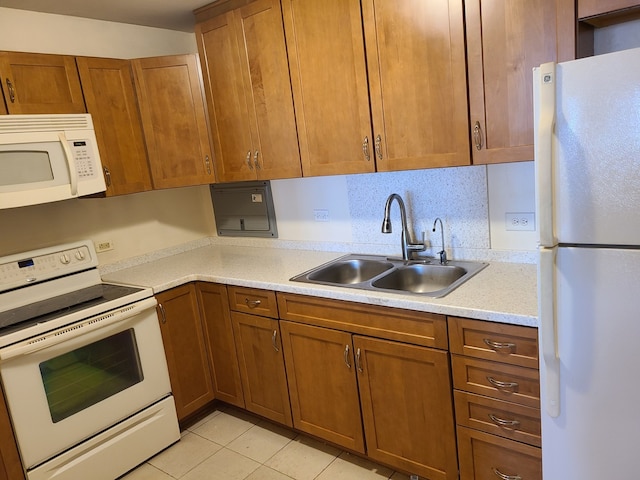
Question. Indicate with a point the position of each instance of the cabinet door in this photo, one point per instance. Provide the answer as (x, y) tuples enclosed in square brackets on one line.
[(174, 120), (322, 384), (505, 40), (591, 8), (215, 314), (407, 407), (111, 100), (262, 366), (10, 465), (40, 83), (417, 76), (329, 80), (184, 345)]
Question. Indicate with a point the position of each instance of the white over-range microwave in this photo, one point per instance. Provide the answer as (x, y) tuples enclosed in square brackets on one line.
[(47, 158)]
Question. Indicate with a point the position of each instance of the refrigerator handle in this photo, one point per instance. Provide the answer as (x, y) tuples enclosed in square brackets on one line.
[(545, 83), (548, 329)]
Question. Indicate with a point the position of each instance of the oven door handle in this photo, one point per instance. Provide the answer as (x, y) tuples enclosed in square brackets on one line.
[(76, 330)]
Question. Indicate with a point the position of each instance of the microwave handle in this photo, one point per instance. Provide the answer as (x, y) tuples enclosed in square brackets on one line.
[(73, 173)]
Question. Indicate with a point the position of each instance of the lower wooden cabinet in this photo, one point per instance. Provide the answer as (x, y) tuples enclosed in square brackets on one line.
[(10, 465)]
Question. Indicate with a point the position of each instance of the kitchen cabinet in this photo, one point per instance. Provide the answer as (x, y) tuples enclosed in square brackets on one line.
[(10, 465), (185, 348), (110, 95), (218, 330), (346, 361), (415, 54), (40, 83), (595, 8), (497, 399), (248, 91), (174, 120), (260, 355), (505, 40)]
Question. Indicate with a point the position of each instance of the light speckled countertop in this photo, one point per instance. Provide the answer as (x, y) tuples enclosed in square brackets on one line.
[(502, 292)]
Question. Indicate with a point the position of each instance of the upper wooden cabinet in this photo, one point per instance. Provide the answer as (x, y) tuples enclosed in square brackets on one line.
[(174, 120), (248, 90), (505, 41), (417, 80), (111, 100), (40, 83), (329, 80), (594, 8)]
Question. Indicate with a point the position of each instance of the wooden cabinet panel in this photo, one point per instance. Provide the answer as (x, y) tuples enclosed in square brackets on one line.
[(513, 344), (500, 418), (216, 317), (417, 77), (184, 344), (505, 40), (322, 384), (329, 80), (254, 301), (246, 75), (174, 120), (10, 465), (592, 8), (109, 91), (497, 380), (407, 409), (40, 83), (262, 366), (487, 457)]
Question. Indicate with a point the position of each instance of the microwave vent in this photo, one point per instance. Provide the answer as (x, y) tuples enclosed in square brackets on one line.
[(45, 123)]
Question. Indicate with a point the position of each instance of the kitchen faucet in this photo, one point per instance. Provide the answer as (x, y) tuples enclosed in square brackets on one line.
[(442, 253), (408, 247)]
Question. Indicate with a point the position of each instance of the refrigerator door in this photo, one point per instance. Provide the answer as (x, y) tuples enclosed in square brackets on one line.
[(598, 335), (596, 150)]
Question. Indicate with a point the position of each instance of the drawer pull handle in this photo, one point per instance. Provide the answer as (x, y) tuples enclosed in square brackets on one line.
[(501, 475), (252, 303), (501, 422), (504, 386), (163, 314), (499, 345), (346, 356), (273, 340)]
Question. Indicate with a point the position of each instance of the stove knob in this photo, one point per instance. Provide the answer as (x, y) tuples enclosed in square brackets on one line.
[(79, 254), (64, 259)]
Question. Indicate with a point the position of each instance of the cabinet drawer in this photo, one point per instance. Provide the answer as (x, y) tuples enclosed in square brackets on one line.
[(419, 328), (500, 342), (488, 457), (501, 418), (254, 301), (497, 380)]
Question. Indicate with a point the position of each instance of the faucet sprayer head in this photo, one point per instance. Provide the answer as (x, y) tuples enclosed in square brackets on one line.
[(386, 225)]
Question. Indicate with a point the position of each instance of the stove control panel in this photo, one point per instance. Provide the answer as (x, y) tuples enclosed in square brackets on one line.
[(38, 265)]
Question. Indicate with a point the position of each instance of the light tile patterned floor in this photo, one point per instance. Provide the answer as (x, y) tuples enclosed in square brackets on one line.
[(232, 445)]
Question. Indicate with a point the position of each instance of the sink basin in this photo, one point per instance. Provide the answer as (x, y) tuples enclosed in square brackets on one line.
[(355, 270), (375, 272), (421, 278)]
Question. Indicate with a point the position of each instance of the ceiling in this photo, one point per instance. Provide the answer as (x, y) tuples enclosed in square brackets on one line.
[(170, 14)]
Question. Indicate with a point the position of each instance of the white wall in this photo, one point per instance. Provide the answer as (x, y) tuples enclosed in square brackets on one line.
[(617, 37)]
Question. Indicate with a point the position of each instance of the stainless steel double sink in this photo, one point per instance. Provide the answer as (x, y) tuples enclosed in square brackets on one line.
[(423, 276)]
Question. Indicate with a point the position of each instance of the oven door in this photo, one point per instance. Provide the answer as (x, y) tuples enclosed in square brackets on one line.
[(69, 384)]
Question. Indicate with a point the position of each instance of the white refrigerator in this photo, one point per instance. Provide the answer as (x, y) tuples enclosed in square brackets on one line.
[(587, 115)]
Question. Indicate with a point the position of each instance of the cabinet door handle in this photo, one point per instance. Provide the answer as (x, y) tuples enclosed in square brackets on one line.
[(501, 422), (12, 92), (207, 164), (255, 161), (358, 361), (378, 147), (346, 356), (504, 386), (477, 136), (163, 314), (249, 160), (274, 337), (107, 176), (499, 345), (365, 149), (252, 303), (503, 476)]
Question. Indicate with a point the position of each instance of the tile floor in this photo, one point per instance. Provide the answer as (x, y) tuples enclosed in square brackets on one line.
[(232, 445)]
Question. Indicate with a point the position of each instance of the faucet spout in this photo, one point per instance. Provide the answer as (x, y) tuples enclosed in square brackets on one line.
[(442, 253), (408, 246)]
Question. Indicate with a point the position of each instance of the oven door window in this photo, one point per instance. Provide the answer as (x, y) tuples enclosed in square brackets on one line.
[(83, 377)]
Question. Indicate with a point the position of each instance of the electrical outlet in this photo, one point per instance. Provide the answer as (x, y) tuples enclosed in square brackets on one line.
[(320, 215), (103, 246), (520, 221)]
